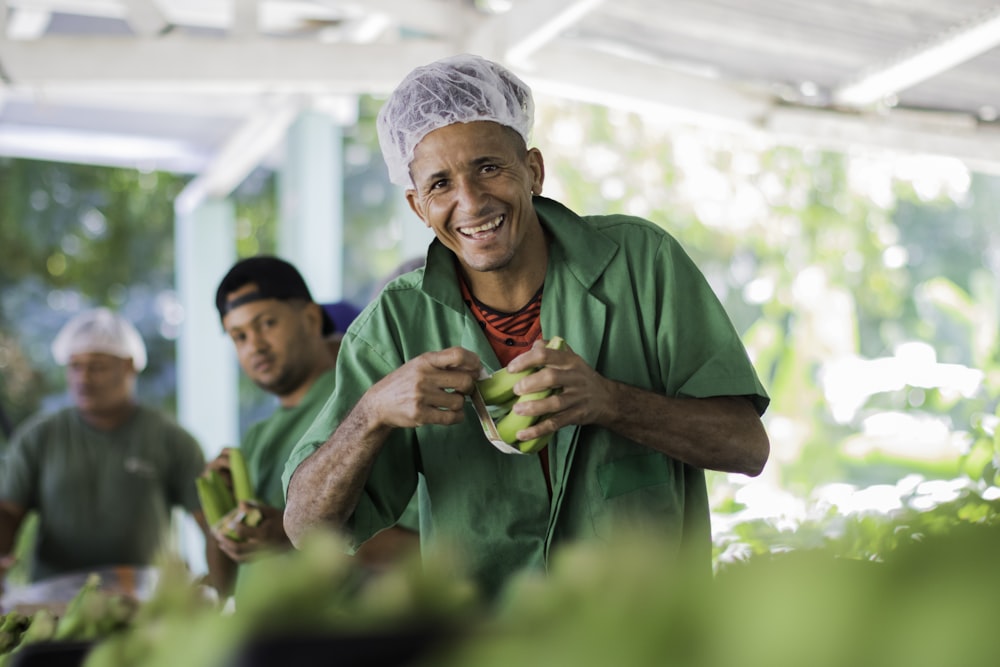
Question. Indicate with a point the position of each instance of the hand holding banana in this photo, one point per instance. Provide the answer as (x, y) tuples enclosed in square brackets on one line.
[(555, 387)]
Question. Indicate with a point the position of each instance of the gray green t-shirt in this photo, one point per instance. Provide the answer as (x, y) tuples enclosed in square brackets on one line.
[(103, 498)]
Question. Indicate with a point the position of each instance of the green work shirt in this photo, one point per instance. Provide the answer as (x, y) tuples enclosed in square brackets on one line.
[(103, 498), (626, 297)]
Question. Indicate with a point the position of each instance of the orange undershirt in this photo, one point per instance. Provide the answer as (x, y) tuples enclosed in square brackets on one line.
[(509, 335)]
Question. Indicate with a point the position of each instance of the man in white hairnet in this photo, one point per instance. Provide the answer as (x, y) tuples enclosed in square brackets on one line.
[(104, 473), (653, 388)]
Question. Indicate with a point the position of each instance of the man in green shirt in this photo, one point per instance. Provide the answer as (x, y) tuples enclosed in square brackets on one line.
[(655, 384), (103, 474), (286, 344)]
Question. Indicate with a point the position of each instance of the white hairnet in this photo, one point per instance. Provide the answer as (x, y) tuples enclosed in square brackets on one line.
[(457, 89), (99, 330)]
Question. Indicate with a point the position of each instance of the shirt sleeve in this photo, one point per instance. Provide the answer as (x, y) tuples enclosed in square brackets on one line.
[(19, 467), (188, 463), (714, 360)]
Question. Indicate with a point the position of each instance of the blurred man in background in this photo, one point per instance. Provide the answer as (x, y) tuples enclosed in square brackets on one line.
[(104, 473), (287, 344)]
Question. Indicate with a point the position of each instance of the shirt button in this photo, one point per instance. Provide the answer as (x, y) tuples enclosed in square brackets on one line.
[(509, 342)]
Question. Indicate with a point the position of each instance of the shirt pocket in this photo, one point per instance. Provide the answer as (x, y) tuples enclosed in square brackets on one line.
[(643, 489), (633, 473)]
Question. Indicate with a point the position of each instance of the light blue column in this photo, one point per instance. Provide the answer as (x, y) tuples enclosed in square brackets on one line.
[(207, 374), (311, 202)]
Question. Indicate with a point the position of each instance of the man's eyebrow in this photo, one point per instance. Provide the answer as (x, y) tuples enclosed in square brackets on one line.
[(474, 163), (253, 320)]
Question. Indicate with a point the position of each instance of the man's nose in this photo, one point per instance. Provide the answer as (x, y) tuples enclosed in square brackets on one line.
[(469, 194), (257, 341)]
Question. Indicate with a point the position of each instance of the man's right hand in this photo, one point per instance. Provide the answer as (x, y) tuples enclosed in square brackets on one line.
[(220, 464), (428, 389)]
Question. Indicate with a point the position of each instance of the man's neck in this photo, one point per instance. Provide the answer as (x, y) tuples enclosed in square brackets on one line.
[(293, 398), (511, 289), (108, 420)]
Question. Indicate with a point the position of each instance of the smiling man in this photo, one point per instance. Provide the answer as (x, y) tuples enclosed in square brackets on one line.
[(654, 387), (286, 344)]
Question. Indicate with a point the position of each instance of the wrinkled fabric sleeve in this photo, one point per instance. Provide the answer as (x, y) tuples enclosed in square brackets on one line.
[(19, 467), (188, 461), (714, 361)]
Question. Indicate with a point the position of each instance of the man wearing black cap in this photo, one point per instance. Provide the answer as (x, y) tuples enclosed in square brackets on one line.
[(284, 342)]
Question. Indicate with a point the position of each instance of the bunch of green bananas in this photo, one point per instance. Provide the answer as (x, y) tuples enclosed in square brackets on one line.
[(498, 390), (220, 504)]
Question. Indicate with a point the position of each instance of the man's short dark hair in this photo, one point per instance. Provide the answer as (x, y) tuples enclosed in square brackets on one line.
[(275, 279)]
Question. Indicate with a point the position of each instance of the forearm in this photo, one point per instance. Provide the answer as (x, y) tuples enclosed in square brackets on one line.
[(719, 433), (11, 517), (221, 568), (325, 488)]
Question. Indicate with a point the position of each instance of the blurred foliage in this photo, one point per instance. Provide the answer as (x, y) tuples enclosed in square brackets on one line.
[(72, 237)]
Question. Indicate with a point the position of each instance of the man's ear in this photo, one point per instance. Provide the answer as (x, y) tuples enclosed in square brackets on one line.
[(414, 201), (537, 166), (314, 312)]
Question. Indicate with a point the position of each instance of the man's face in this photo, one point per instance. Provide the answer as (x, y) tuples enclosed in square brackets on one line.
[(100, 382), (272, 340), (472, 186)]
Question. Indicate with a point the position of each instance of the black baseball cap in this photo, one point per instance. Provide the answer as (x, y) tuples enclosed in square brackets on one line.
[(275, 279)]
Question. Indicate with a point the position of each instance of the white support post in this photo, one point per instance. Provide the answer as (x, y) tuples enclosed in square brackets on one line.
[(311, 201), (207, 374)]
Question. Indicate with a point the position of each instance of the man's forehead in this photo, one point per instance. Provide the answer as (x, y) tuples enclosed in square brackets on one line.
[(88, 358), (251, 308), (462, 142)]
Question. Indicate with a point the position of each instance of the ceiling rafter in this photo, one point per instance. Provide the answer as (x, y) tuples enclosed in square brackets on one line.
[(191, 70), (944, 52)]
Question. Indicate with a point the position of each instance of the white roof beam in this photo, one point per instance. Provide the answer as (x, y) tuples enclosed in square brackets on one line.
[(28, 23), (244, 150), (602, 78), (181, 63), (946, 135), (537, 23), (245, 17), (948, 50), (144, 17)]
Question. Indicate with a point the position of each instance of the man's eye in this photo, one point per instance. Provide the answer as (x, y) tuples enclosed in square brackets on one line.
[(437, 185)]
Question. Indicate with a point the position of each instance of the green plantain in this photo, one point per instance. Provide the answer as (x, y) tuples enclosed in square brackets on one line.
[(509, 425)]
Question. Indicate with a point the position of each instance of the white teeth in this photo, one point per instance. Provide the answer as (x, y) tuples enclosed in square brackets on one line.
[(492, 224)]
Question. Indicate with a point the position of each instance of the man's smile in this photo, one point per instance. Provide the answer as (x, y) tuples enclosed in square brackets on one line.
[(483, 229)]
